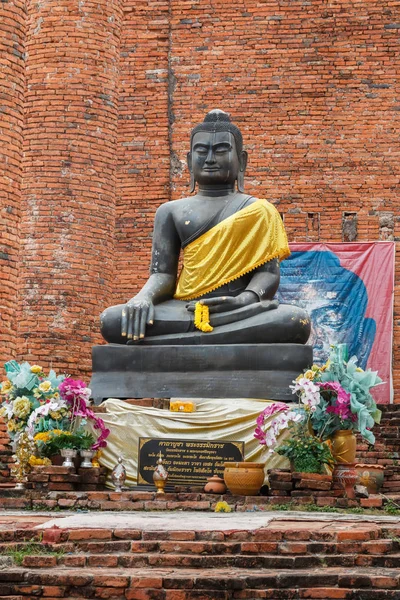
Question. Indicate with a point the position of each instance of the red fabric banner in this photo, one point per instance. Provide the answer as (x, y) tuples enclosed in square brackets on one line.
[(347, 289)]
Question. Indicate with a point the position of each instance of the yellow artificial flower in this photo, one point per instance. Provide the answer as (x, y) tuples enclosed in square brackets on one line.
[(35, 461), (60, 432), (96, 458), (36, 369), (42, 436), (309, 374), (56, 415), (223, 507), (45, 386), (21, 407), (11, 425), (6, 387)]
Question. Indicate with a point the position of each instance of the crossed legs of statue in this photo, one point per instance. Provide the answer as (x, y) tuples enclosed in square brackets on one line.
[(253, 324)]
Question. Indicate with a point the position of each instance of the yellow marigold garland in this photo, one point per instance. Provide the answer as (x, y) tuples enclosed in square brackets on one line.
[(35, 461), (202, 317)]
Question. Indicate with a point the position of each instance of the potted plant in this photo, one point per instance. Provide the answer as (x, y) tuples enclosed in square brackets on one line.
[(337, 402), (334, 402), (53, 412), (306, 452), (65, 443)]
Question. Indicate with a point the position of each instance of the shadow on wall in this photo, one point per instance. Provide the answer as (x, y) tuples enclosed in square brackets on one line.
[(336, 300)]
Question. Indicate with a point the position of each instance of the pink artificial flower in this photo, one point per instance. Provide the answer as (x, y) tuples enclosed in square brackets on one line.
[(270, 410), (75, 392), (259, 434), (277, 425), (341, 402), (72, 390)]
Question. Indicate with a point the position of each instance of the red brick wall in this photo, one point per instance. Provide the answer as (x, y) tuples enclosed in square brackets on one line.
[(313, 87), (143, 181), (68, 220), (12, 82)]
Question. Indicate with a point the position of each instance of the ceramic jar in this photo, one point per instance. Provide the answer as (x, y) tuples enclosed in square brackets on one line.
[(371, 476), (244, 478), (215, 485)]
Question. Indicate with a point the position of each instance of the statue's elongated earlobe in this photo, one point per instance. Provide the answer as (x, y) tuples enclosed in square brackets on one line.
[(192, 182), (242, 168), (192, 179), (240, 181)]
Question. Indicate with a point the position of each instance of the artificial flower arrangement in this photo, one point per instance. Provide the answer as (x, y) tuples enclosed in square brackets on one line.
[(47, 413), (332, 398)]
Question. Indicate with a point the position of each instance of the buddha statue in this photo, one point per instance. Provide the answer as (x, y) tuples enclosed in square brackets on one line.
[(232, 245)]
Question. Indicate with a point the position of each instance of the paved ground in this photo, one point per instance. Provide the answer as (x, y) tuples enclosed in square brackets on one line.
[(185, 520)]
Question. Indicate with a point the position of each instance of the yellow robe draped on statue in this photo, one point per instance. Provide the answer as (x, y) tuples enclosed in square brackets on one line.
[(239, 244)]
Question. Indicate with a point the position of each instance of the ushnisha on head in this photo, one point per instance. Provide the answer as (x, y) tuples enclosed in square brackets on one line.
[(216, 158)]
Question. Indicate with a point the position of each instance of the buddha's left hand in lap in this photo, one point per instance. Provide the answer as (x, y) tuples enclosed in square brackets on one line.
[(226, 303)]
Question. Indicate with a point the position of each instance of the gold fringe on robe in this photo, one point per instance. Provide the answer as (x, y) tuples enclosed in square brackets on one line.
[(232, 248)]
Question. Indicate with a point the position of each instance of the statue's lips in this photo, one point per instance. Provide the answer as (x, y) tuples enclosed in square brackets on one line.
[(210, 170)]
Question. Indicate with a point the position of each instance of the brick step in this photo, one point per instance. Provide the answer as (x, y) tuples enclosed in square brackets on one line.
[(210, 561), (379, 545), (262, 548), (361, 534), (199, 584)]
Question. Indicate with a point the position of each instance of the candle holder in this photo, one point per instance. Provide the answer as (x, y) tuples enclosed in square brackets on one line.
[(160, 476), (118, 475)]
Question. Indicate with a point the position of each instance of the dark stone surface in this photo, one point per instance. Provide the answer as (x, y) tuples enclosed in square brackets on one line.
[(221, 371)]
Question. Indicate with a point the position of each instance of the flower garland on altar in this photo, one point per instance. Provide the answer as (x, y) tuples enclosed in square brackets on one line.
[(202, 317)]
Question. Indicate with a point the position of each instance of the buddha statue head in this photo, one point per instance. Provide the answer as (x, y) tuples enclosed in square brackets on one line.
[(216, 158)]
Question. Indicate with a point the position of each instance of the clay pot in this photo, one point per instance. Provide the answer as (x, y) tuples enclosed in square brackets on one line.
[(215, 485), (346, 477), (244, 478), (371, 476), (344, 446)]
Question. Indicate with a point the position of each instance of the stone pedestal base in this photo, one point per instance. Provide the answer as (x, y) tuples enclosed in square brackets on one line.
[(222, 371)]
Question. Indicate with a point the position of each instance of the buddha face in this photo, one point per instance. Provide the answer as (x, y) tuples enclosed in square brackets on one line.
[(214, 160)]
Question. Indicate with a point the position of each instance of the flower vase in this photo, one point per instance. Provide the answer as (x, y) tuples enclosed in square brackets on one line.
[(86, 456), (344, 445), (68, 454)]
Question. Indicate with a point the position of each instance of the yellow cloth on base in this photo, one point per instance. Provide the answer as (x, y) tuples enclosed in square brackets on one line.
[(239, 244), (215, 419)]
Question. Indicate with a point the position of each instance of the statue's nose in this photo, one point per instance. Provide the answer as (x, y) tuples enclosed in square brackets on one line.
[(210, 157)]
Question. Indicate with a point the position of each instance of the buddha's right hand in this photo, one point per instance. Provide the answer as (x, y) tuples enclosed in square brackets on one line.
[(136, 315)]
